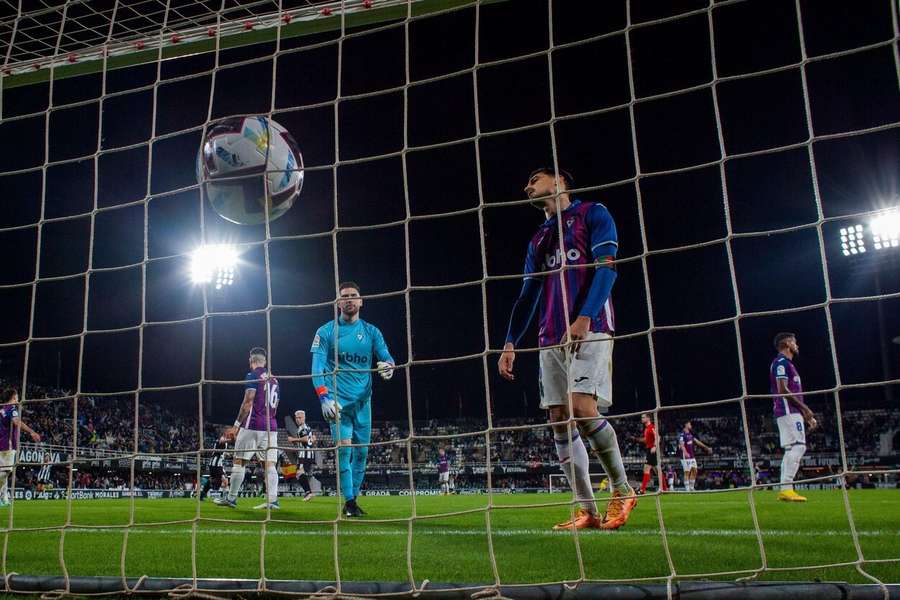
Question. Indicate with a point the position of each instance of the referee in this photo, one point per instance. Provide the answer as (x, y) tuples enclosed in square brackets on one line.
[(216, 464), (305, 455), (650, 440)]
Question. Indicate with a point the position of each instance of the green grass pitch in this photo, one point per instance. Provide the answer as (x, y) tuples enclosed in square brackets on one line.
[(707, 533)]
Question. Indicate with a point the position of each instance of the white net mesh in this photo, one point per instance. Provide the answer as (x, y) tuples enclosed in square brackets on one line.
[(50, 45)]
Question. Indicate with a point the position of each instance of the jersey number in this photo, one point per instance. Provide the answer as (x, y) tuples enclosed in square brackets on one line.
[(272, 396), (800, 426)]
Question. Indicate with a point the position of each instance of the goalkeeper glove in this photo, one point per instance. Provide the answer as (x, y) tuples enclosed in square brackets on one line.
[(329, 407), (385, 369)]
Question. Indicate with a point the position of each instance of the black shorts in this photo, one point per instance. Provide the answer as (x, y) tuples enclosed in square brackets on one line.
[(215, 473), (308, 466), (650, 458)]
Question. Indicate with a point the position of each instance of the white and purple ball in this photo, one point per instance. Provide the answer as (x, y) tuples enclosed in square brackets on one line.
[(247, 166)]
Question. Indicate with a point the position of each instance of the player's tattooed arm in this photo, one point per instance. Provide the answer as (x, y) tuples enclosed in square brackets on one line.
[(35, 436), (245, 407)]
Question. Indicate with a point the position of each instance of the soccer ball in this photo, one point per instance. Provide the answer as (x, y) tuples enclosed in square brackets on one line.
[(248, 166)]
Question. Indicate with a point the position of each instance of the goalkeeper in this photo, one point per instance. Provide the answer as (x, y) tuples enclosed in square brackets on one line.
[(354, 346)]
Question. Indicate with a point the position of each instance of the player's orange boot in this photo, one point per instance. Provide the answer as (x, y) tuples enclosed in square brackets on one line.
[(618, 510), (583, 520)]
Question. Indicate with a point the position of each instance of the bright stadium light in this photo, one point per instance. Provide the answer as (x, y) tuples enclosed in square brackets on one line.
[(852, 241), (885, 230), (214, 264)]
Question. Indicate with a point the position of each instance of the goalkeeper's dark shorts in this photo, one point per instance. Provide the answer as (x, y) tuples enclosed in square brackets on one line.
[(650, 458)]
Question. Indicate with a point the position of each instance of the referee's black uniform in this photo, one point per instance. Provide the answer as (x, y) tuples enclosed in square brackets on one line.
[(216, 464)]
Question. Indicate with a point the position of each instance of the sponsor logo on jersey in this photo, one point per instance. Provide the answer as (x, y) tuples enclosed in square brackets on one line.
[(780, 370), (353, 357), (317, 341), (554, 260)]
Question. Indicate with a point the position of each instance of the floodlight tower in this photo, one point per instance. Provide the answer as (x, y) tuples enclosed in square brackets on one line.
[(871, 247), (214, 266)]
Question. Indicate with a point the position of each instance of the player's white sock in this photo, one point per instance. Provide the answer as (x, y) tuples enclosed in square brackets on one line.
[(603, 440), (573, 455), (237, 478), (790, 464), (271, 484), (4, 489)]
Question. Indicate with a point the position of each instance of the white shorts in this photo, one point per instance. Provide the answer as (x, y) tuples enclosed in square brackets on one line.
[(7, 459), (444, 477), (791, 429), (261, 443), (588, 372), (688, 463)]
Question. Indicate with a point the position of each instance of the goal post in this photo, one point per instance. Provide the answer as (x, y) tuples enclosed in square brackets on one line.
[(559, 483)]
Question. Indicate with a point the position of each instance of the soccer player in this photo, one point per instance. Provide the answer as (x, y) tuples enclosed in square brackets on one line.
[(670, 477), (10, 424), (443, 467), (353, 342), (650, 440), (686, 441), (305, 456), (216, 467), (790, 412), (255, 431), (582, 367)]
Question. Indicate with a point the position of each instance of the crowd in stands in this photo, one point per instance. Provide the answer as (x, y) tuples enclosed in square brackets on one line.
[(105, 429)]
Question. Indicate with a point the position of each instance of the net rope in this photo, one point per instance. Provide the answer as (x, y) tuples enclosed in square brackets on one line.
[(171, 19)]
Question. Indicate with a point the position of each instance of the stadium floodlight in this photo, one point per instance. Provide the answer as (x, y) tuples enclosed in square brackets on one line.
[(885, 230), (214, 263), (852, 241)]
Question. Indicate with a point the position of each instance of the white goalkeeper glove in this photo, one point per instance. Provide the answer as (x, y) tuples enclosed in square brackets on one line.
[(385, 369), (329, 407)]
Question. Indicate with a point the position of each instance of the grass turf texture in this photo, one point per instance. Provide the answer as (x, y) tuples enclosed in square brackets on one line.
[(707, 533)]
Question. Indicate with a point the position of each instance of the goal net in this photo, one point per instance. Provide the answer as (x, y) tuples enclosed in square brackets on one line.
[(746, 150)]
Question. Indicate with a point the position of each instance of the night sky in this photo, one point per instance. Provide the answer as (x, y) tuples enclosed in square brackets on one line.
[(765, 192)]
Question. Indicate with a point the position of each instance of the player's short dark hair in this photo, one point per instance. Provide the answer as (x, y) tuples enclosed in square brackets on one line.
[(781, 338), (567, 177), (349, 284), (7, 394), (646, 415)]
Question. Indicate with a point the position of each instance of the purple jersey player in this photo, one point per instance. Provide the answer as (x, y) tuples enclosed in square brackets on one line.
[(686, 442), (569, 274), (443, 467), (791, 413), (265, 401), (256, 431), (10, 424)]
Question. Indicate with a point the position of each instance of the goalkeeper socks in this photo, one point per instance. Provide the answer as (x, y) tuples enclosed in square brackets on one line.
[(603, 440), (360, 456), (304, 482), (237, 478), (271, 483), (573, 458), (645, 482), (344, 472)]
